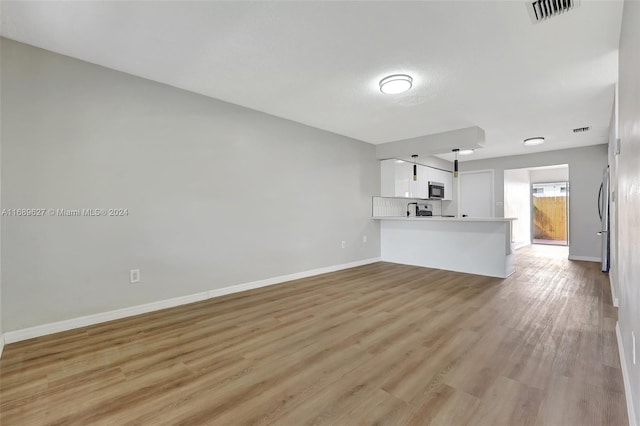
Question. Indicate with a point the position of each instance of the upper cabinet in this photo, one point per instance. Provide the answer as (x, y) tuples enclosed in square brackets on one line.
[(396, 180), (445, 177)]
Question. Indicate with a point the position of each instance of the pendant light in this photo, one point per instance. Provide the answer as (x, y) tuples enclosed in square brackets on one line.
[(415, 167), (455, 163)]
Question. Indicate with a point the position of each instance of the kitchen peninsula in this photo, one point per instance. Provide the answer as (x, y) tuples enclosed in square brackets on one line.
[(473, 245), (415, 228)]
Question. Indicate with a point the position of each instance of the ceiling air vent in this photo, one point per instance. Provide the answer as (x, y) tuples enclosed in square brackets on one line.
[(581, 129), (539, 10)]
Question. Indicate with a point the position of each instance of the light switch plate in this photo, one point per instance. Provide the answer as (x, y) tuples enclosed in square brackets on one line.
[(134, 276)]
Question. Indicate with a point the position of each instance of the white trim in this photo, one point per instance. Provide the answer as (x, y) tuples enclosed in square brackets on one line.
[(519, 244), (70, 324), (614, 297), (1, 344), (84, 321), (625, 377), (586, 258)]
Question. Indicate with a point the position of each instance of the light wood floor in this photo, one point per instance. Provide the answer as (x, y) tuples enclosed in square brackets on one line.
[(378, 344)]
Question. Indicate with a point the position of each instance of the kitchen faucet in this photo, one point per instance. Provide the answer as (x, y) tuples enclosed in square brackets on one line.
[(408, 212)]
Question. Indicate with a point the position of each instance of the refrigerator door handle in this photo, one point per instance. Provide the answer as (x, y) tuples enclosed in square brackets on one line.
[(603, 210), (600, 201)]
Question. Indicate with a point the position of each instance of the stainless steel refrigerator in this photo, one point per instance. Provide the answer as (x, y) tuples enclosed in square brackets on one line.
[(603, 211)]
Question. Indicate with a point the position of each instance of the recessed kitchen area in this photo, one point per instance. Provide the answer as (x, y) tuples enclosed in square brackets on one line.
[(420, 225), (419, 206)]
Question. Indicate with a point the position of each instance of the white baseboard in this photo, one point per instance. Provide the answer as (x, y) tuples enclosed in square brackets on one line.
[(1, 344), (625, 377), (70, 324), (614, 296), (586, 258), (519, 244)]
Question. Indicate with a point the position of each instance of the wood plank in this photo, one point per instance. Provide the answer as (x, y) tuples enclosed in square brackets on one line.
[(377, 344)]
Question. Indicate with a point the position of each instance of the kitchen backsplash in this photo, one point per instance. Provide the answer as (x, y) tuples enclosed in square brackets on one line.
[(390, 207)]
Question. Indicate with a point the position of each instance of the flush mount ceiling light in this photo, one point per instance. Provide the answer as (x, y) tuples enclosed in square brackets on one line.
[(534, 141), (394, 84), (465, 152)]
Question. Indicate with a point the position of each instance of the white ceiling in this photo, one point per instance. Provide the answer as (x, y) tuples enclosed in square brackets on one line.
[(476, 63)]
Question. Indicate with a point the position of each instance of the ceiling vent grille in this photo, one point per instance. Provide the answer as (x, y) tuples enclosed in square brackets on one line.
[(581, 129), (540, 10)]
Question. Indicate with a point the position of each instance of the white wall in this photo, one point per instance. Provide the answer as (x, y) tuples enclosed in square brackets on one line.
[(613, 203), (628, 194), (517, 203), (217, 194), (1, 329), (549, 175), (585, 175)]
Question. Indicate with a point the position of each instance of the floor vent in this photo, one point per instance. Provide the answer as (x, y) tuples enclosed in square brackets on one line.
[(540, 10), (581, 129)]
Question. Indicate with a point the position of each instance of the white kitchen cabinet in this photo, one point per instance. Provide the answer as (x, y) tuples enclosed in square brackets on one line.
[(396, 180), (405, 186), (422, 185), (445, 177)]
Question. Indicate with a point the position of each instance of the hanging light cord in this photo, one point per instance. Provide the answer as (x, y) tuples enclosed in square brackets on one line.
[(455, 163)]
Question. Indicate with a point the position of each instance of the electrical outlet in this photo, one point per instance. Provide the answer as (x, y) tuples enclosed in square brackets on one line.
[(364, 239), (344, 244), (134, 276), (633, 347)]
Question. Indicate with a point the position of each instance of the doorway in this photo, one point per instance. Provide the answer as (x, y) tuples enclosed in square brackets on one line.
[(550, 213)]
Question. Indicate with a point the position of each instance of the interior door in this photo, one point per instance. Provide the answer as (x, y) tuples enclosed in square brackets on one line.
[(476, 193)]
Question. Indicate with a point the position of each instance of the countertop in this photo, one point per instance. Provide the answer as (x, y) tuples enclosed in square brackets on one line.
[(447, 219)]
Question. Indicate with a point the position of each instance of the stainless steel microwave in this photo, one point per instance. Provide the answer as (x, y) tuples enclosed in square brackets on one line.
[(436, 190)]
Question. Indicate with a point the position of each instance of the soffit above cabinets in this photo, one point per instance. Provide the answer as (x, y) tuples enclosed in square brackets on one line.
[(429, 145)]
